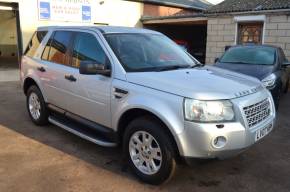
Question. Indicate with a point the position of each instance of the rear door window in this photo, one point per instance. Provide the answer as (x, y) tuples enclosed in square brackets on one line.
[(87, 48), (34, 43), (45, 53), (57, 48)]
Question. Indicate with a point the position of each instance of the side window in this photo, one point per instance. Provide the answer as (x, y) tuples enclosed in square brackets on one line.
[(87, 48), (58, 47), (34, 43)]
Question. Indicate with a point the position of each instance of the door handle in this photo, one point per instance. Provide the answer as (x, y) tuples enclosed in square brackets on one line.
[(70, 78), (41, 69)]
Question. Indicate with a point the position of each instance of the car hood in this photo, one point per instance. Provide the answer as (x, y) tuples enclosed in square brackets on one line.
[(258, 71), (205, 83)]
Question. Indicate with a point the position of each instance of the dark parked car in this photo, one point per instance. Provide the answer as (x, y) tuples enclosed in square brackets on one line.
[(265, 62)]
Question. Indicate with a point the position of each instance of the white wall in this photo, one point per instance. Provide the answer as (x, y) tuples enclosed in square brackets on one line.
[(118, 13), (8, 37), (112, 12)]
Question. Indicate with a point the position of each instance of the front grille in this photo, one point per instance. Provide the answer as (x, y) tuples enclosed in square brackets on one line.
[(258, 112)]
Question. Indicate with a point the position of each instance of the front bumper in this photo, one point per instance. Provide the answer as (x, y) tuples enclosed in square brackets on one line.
[(197, 140)]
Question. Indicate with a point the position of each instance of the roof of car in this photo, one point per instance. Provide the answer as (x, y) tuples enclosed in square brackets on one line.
[(103, 29)]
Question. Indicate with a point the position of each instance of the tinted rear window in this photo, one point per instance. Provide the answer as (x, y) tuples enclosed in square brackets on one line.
[(34, 43), (250, 55)]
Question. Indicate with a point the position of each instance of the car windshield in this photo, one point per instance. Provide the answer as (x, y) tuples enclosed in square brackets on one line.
[(140, 52), (250, 55)]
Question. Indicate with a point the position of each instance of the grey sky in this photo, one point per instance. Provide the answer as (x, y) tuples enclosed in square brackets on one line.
[(215, 1)]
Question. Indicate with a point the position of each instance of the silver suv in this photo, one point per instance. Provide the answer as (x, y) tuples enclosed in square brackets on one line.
[(136, 88)]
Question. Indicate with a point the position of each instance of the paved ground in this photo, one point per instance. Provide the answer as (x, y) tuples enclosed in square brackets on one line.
[(9, 69), (50, 159), (8, 62), (9, 75)]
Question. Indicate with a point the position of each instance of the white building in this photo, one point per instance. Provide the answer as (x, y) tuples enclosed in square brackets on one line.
[(20, 18)]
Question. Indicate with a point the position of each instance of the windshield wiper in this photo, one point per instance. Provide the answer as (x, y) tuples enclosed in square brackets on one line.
[(237, 62), (196, 65), (175, 67), (171, 67)]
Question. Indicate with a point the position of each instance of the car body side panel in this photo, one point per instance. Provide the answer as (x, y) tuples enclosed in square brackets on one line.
[(167, 107), (89, 97), (29, 70), (29, 65)]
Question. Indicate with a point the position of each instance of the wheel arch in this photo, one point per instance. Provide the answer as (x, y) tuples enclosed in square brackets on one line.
[(134, 113), (28, 82)]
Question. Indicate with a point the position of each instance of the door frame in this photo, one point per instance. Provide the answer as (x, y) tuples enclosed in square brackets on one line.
[(15, 8)]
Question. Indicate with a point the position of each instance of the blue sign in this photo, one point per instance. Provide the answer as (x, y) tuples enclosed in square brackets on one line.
[(86, 13), (44, 10)]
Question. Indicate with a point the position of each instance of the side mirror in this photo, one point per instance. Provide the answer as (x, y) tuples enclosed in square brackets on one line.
[(216, 60), (91, 68), (227, 47), (286, 64)]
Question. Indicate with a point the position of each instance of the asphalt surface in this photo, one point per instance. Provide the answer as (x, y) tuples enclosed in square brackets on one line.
[(51, 159)]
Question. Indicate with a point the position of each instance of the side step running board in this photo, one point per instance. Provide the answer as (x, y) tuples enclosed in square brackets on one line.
[(83, 133)]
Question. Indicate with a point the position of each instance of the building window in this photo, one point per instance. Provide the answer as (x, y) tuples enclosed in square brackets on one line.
[(250, 33)]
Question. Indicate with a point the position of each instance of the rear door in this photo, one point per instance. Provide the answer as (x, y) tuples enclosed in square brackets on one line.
[(56, 63), (90, 94), (30, 60)]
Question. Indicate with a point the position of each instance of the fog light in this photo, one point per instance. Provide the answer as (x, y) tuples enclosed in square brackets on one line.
[(219, 142)]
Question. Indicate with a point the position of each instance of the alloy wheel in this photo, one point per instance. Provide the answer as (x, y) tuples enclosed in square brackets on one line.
[(145, 152), (34, 106)]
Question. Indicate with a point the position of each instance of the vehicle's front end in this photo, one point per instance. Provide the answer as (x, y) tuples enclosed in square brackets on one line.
[(239, 123), (274, 84), (265, 62), (221, 115)]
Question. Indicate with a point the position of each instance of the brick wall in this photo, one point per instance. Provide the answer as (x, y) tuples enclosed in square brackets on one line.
[(221, 32), (158, 10), (278, 32)]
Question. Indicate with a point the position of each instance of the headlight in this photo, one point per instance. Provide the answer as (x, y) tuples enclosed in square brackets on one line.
[(269, 81), (208, 111)]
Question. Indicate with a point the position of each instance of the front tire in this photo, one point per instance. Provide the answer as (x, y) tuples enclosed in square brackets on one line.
[(36, 106), (149, 151), (278, 97), (287, 86)]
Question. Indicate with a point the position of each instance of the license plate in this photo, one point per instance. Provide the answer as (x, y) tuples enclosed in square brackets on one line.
[(263, 132)]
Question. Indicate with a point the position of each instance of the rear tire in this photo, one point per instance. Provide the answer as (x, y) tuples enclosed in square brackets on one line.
[(36, 106), (149, 151)]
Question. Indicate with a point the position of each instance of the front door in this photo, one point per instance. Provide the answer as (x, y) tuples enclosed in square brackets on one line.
[(89, 94)]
